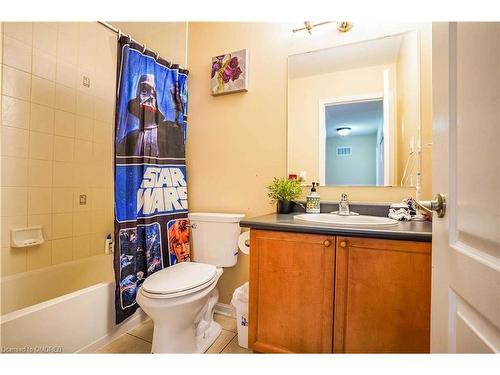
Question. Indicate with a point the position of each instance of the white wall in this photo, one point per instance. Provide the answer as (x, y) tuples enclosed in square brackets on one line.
[(359, 169)]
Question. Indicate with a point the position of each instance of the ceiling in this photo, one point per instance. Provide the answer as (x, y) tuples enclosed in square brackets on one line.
[(350, 56), (363, 118)]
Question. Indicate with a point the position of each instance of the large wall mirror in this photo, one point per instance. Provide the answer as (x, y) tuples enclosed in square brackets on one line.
[(354, 113)]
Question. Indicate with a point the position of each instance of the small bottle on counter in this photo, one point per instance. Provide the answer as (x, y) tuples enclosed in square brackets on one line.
[(313, 201)]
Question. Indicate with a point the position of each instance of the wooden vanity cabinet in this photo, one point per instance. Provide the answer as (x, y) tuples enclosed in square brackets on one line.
[(313, 293), (291, 292), (382, 296)]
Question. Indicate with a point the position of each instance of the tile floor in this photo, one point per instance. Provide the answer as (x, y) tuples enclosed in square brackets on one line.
[(138, 340)]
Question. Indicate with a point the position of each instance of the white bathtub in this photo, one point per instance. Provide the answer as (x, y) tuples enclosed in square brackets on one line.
[(80, 321)]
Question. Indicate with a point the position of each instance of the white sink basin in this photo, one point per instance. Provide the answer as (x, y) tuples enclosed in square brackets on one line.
[(346, 221)]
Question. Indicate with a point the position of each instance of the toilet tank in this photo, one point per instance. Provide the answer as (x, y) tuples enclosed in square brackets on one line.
[(215, 238)]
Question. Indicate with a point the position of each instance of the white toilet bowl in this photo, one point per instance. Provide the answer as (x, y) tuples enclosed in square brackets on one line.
[(181, 299), (182, 313)]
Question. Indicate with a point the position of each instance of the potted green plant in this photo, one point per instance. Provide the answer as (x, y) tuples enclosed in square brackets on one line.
[(284, 192)]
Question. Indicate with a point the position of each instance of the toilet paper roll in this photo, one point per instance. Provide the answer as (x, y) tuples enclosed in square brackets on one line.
[(243, 240)]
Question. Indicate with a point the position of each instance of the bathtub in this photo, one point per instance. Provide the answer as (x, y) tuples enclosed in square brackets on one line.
[(73, 321)]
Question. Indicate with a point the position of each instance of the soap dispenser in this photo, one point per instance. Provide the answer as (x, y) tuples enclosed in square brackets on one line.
[(313, 201)]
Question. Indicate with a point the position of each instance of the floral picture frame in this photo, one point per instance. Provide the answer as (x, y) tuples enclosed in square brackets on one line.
[(229, 73)]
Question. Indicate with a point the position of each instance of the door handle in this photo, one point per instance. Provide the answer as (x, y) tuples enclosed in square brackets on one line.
[(438, 204)]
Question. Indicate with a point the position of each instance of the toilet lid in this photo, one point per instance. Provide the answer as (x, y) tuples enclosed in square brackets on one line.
[(179, 277)]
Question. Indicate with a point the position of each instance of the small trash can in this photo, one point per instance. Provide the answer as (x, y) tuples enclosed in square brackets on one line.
[(240, 302)]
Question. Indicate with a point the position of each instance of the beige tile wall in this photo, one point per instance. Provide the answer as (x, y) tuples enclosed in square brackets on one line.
[(56, 140)]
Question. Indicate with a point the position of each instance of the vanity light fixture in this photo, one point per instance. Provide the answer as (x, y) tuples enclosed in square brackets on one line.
[(344, 131), (343, 26)]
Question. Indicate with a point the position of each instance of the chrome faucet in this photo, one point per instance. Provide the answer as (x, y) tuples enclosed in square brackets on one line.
[(344, 205)]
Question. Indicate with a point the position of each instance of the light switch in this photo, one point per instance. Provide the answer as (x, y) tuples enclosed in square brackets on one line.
[(83, 200)]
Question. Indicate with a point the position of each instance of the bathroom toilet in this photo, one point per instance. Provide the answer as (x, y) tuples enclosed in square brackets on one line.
[(180, 299)]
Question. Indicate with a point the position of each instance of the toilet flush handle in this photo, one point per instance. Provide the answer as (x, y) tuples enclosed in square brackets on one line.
[(193, 226)]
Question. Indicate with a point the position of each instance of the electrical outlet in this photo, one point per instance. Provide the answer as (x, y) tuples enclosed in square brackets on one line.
[(83, 199)]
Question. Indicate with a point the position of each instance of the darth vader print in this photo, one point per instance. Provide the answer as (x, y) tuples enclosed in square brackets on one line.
[(148, 132)]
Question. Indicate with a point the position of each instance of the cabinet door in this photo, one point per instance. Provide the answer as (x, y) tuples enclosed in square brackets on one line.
[(382, 296), (291, 292)]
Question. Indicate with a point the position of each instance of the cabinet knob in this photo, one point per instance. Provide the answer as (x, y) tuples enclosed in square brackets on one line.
[(343, 243), (327, 243)]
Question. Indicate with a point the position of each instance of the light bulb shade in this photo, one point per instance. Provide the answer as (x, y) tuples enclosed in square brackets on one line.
[(343, 131)]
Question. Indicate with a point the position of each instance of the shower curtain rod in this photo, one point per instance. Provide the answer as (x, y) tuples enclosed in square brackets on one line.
[(119, 32)]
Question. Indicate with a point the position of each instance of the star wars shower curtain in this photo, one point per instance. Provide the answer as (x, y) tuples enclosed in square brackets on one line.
[(150, 171)]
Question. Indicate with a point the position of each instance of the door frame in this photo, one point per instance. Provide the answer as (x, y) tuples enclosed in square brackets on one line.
[(388, 125)]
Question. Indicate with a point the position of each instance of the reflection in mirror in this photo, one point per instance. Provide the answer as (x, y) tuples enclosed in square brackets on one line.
[(367, 129), (354, 126)]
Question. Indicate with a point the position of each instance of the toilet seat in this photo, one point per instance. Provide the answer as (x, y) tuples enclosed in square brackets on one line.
[(179, 280)]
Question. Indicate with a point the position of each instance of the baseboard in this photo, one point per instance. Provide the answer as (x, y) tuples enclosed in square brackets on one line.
[(225, 309), (138, 318)]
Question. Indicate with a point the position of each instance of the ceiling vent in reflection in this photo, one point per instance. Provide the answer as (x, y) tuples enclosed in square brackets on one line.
[(344, 151)]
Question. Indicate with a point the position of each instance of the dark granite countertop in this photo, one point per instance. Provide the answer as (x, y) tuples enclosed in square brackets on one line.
[(407, 231)]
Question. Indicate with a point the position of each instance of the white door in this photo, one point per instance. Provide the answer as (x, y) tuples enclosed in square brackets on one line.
[(466, 168)]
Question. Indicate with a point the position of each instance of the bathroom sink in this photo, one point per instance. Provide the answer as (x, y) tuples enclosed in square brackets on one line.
[(346, 221)]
